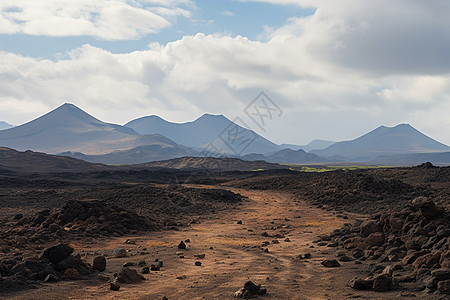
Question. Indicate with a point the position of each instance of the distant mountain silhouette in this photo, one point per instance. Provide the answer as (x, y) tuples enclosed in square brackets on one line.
[(313, 145), (384, 141), (4, 125), (438, 159), (208, 128), (287, 156), (68, 128), (33, 162)]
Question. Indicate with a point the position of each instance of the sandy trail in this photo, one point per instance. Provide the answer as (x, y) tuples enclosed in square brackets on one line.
[(235, 257)]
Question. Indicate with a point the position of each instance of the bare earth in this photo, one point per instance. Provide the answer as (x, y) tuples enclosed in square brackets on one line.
[(236, 256)]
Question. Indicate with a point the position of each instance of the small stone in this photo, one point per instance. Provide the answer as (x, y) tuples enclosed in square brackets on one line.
[(239, 222), (200, 256), (198, 263), (155, 267), (99, 263), (330, 263), (181, 277), (113, 286), (145, 270), (187, 241), (287, 240), (361, 284), (181, 245)]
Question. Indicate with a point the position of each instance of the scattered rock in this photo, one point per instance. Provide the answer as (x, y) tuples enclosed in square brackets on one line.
[(198, 263), (99, 263), (145, 270), (181, 245), (113, 286), (361, 284), (127, 275), (57, 253), (250, 290), (331, 263)]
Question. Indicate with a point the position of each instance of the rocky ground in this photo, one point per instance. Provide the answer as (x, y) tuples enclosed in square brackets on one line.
[(373, 234)]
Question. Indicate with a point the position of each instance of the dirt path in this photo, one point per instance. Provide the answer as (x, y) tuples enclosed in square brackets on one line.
[(233, 254)]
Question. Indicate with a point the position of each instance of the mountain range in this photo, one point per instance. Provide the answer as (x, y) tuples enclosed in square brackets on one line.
[(384, 141), (70, 131), (207, 129), (4, 125)]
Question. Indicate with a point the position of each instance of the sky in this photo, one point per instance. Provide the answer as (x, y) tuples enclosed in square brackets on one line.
[(334, 69)]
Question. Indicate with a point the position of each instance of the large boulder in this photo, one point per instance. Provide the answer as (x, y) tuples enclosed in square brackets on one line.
[(57, 253)]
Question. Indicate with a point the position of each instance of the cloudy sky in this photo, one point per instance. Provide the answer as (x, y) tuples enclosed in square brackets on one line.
[(337, 69)]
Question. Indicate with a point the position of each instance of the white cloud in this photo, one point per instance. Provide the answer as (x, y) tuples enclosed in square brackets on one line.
[(101, 19), (228, 13), (320, 69)]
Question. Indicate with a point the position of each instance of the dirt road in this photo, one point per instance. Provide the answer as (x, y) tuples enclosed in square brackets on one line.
[(233, 255)]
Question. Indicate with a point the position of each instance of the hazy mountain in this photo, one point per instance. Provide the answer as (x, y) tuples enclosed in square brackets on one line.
[(4, 125), (438, 159), (68, 128), (211, 163), (138, 155), (313, 145), (288, 156), (384, 141), (30, 161), (226, 136)]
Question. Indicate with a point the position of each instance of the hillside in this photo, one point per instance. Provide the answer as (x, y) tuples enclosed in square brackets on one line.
[(211, 163), (34, 162)]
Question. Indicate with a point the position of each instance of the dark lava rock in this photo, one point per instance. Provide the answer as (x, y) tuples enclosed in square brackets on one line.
[(444, 287), (99, 263), (361, 284), (113, 286), (441, 274), (18, 216), (198, 263), (155, 267), (382, 283), (181, 245), (330, 263), (250, 290), (127, 275), (145, 270), (57, 253)]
